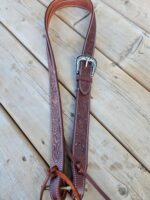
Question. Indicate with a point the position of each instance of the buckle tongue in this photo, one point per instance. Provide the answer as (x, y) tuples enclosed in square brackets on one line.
[(88, 59)]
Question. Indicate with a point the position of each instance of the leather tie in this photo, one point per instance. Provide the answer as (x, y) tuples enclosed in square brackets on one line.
[(86, 66)]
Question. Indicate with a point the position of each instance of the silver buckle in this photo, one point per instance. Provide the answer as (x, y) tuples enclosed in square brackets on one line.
[(88, 59)]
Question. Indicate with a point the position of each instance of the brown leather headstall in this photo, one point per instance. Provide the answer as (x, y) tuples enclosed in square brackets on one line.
[(59, 183)]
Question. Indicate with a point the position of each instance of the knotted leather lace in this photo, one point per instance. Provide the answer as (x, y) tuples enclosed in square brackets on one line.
[(53, 173)]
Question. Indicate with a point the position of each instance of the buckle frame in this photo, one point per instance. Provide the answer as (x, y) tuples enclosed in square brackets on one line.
[(87, 59)]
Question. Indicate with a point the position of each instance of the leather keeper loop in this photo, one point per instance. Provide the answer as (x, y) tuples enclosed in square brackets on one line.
[(85, 74), (78, 78)]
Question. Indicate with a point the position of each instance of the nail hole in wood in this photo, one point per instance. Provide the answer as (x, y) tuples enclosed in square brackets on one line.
[(123, 190), (43, 142), (24, 158)]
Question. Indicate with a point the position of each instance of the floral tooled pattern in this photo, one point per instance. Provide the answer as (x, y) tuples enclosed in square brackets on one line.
[(57, 132), (81, 134)]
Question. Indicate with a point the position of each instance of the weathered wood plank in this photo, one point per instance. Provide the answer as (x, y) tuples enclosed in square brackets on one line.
[(74, 14), (29, 103), (24, 93), (71, 15), (23, 171), (135, 10), (121, 41), (21, 168), (130, 107)]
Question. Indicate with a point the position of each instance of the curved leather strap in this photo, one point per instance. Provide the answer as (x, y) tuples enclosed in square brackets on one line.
[(85, 69)]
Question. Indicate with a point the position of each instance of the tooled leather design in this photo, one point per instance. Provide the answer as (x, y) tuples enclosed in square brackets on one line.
[(56, 139), (57, 151), (82, 128), (56, 122), (82, 104), (81, 135)]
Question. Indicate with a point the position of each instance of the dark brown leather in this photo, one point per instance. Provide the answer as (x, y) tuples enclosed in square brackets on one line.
[(79, 155)]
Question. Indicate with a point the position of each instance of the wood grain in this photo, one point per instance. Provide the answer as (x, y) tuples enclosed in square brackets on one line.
[(24, 93), (21, 168), (134, 10), (118, 101), (29, 104), (119, 39)]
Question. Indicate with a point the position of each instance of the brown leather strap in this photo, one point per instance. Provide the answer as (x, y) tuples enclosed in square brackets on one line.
[(86, 65), (89, 178)]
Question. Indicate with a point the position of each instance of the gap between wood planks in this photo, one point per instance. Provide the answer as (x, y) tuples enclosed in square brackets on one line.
[(44, 166), (127, 18), (117, 64), (18, 164), (47, 82), (90, 179), (137, 43), (109, 131), (100, 119), (20, 129)]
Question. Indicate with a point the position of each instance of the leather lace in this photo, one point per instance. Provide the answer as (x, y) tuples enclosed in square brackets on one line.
[(55, 172)]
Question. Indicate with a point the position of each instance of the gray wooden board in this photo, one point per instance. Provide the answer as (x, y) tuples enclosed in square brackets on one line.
[(24, 93), (22, 171), (120, 103)]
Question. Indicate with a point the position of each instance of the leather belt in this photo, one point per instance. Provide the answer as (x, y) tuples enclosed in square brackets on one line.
[(86, 66)]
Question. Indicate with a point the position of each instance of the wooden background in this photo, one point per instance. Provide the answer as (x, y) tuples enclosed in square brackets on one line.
[(119, 145)]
